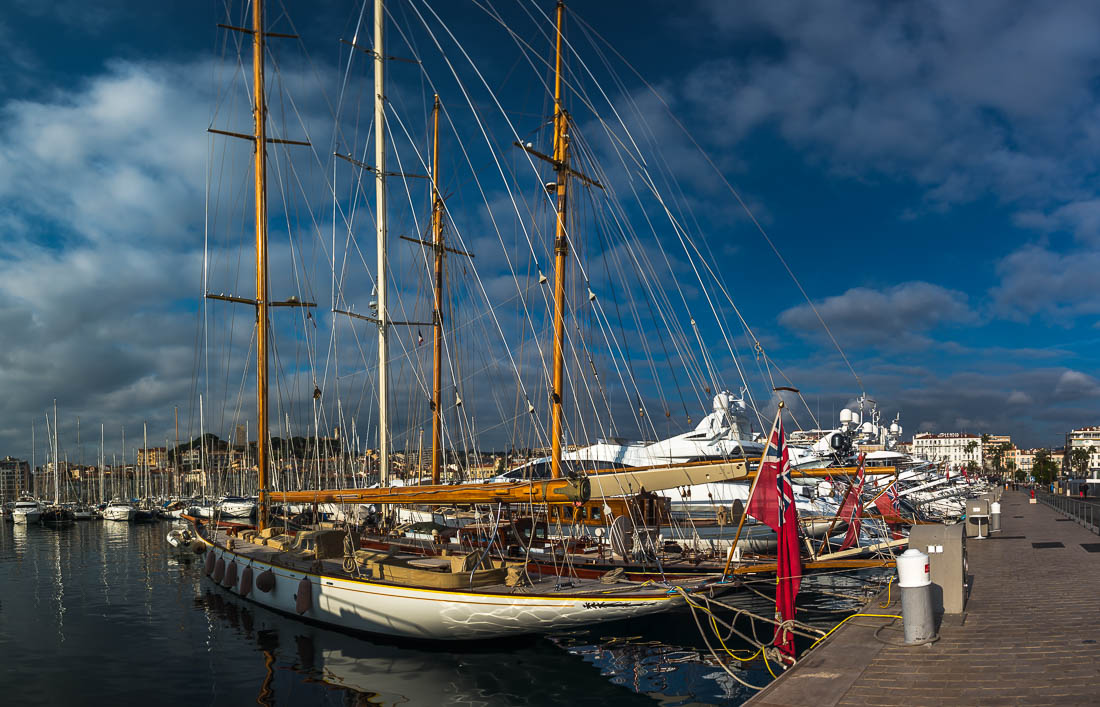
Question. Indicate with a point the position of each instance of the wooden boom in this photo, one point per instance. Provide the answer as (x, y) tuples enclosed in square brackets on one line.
[(605, 484)]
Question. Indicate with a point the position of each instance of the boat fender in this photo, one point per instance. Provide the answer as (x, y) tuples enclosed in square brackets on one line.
[(246, 581), (219, 570), (198, 546), (303, 600), (230, 575), (208, 566), (265, 581)]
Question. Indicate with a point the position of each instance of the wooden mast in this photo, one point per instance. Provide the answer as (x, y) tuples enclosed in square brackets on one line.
[(260, 117), (437, 343), (561, 250), (380, 220)]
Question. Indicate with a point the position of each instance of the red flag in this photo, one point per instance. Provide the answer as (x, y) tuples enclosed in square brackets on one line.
[(853, 507), (888, 503), (772, 503)]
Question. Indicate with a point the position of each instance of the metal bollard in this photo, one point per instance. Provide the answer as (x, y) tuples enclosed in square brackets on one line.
[(994, 517), (916, 597)]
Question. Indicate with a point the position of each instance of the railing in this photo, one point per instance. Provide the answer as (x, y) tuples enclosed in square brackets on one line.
[(1085, 512)]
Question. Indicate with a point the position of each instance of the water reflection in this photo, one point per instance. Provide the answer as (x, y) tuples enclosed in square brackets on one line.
[(106, 609), (379, 672)]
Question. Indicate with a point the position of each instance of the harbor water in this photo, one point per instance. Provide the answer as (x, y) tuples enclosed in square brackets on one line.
[(105, 611)]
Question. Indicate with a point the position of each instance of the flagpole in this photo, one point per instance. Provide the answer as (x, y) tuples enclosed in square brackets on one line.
[(752, 489)]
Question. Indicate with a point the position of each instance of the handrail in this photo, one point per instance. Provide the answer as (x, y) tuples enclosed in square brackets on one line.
[(1086, 513)]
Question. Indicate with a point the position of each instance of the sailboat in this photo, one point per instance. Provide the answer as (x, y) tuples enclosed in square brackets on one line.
[(324, 576)]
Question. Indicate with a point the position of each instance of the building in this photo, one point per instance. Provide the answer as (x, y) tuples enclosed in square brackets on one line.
[(1087, 438), (955, 448), (15, 478), (153, 457), (1020, 459)]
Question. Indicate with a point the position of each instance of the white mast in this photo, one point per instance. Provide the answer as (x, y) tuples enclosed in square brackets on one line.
[(56, 468), (145, 455), (101, 462), (380, 217)]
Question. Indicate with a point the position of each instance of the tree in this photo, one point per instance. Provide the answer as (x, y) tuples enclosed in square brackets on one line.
[(1079, 459), (1045, 469)]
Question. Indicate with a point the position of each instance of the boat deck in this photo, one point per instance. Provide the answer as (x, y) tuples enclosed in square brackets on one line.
[(441, 567), (1029, 634)]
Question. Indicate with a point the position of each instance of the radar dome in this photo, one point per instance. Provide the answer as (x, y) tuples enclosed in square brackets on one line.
[(845, 415), (868, 428)]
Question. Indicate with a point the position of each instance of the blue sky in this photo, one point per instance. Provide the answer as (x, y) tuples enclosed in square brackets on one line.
[(926, 170)]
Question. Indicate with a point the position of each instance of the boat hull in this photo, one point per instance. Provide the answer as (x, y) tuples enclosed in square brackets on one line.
[(20, 517), (411, 612), (123, 514)]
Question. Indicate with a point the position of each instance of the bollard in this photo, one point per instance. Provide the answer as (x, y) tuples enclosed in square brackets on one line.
[(916, 597), (994, 517)]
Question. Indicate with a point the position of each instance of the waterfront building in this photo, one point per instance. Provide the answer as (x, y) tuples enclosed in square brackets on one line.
[(1087, 438), (153, 457), (955, 448), (15, 478)]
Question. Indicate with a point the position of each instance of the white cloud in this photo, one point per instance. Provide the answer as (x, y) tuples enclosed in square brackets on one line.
[(884, 318)]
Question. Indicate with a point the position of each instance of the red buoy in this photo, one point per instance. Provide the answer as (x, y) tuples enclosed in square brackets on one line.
[(230, 575), (304, 599), (246, 581), (219, 570)]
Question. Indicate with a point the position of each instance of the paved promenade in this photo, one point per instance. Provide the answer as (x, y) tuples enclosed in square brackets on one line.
[(1030, 634)]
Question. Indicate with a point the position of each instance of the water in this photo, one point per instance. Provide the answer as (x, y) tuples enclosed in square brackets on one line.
[(105, 611)]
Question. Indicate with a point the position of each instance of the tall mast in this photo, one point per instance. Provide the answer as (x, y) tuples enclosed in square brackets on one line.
[(56, 466), (437, 344), (380, 218), (176, 455), (561, 250), (260, 117), (101, 462), (145, 456)]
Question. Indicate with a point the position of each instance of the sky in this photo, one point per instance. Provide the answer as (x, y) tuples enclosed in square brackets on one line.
[(926, 172)]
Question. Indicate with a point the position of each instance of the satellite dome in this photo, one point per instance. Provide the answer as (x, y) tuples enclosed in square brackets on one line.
[(845, 415)]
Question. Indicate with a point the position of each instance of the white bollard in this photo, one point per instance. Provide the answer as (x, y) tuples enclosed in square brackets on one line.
[(916, 597), (994, 517)]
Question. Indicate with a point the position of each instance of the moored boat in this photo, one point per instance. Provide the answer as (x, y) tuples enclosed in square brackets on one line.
[(119, 510), (26, 511)]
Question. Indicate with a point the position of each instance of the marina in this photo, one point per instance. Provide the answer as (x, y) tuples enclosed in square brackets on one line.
[(498, 379)]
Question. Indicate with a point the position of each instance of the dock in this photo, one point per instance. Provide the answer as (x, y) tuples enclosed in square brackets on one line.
[(1030, 632)]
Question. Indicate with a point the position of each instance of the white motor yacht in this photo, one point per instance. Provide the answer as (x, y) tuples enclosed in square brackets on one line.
[(235, 507), (26, 511), (119, 510)]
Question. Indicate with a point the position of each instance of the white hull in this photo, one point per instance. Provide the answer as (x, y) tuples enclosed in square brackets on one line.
[(409, 612), (124, 514), (235, 509), (20, 517)]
